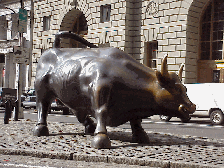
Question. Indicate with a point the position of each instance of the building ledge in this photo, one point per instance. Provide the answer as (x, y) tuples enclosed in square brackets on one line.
[(9, 41)]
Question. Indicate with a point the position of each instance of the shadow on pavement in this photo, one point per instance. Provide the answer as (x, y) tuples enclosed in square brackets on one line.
[(156, 139)]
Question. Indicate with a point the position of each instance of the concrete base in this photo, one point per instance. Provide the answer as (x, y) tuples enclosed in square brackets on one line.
[(21, 114)]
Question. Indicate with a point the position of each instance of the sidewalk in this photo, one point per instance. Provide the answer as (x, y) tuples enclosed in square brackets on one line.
[(67, 141)]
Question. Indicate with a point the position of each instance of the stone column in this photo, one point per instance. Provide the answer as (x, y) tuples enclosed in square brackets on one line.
[(10, 71)]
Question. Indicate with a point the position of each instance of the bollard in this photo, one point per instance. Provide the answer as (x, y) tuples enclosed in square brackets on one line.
[(7, 111), (16, 115)]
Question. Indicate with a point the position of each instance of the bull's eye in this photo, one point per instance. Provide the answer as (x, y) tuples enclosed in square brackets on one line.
[(185, 88)]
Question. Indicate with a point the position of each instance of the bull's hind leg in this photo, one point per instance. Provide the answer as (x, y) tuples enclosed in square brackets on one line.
[(41, 127), (83, 118), (90, 126), (138, 133)]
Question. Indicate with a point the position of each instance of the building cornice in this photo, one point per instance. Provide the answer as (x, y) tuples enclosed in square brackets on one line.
[(8, 2)]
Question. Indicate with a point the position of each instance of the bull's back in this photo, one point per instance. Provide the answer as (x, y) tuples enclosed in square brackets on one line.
[(70, 71)]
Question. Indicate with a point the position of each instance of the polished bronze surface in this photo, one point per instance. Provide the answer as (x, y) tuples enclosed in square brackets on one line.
[(109, 85)]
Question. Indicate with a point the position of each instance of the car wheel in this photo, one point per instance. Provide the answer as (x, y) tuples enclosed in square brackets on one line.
[(165, 118), (217, 117)]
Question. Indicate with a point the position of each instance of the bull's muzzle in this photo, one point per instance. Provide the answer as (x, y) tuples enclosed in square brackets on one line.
[(190, 109)]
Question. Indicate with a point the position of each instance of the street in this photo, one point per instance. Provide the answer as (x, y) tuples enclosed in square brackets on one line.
[(199, 127)]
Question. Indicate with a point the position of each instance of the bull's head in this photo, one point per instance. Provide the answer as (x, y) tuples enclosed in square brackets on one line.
[(172, 93)]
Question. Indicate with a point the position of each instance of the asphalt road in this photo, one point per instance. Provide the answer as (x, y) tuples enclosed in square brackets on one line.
[(199, 127)]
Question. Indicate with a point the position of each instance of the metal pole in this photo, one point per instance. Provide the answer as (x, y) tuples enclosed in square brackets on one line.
[(20, 81), (31, 43), (8, 111), (16, 111)]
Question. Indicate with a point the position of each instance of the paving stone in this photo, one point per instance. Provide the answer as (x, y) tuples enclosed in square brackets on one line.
[(67, 141)]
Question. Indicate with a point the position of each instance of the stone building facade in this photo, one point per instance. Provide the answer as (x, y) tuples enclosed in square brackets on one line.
[(145, 29)]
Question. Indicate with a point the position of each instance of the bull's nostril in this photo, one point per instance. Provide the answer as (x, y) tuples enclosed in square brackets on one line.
[(193, 106)]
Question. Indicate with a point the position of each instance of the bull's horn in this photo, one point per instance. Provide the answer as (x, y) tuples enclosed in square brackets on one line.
[(181, 71), (164, 70)]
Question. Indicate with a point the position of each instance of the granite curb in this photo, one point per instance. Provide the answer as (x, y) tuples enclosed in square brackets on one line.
[(67, 141), (106, 159)]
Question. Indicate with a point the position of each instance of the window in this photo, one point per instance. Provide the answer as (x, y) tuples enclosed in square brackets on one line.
[(2, 58), (105, 13), (46, 23), (151, 50), (212, 31), (3, 28), (216, 76)]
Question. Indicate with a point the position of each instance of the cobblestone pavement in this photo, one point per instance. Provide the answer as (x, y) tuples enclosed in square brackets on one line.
[(67, 141)]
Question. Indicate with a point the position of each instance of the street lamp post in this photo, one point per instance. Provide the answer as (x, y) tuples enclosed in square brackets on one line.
[(20, 80)]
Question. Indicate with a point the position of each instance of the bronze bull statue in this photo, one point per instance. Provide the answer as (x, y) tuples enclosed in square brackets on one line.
[(109, 85)]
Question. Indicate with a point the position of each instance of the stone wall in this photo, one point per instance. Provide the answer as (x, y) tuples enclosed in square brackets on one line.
[(62, 14), (167, 25), (174, 24)]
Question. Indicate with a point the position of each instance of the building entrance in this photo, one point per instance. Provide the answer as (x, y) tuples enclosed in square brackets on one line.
[(211, 60), (74, 21)]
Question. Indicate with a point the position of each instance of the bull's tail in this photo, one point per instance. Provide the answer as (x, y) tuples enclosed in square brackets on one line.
[(67, 34)]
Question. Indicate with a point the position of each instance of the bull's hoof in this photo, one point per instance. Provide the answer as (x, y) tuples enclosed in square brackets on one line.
[(90, 129), (101, 141), (41, 130), (140, 137)]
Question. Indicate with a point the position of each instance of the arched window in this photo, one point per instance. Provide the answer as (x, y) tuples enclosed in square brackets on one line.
[(212, 31)]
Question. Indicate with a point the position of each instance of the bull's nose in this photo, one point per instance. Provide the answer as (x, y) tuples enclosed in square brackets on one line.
[(192, 108)]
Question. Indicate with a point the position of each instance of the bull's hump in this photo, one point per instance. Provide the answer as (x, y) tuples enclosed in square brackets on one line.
[(139, 71)]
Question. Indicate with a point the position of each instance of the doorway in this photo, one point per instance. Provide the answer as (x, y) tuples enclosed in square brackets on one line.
[(74, 21)]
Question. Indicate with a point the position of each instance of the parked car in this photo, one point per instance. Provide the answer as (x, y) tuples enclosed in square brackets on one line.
[(57, 105), (23, 98), (208, 98), (29, 102), (31, 92)]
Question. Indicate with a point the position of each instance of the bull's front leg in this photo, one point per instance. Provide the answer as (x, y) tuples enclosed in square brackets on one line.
[(101, 139), (41, 127), (138, 133)]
